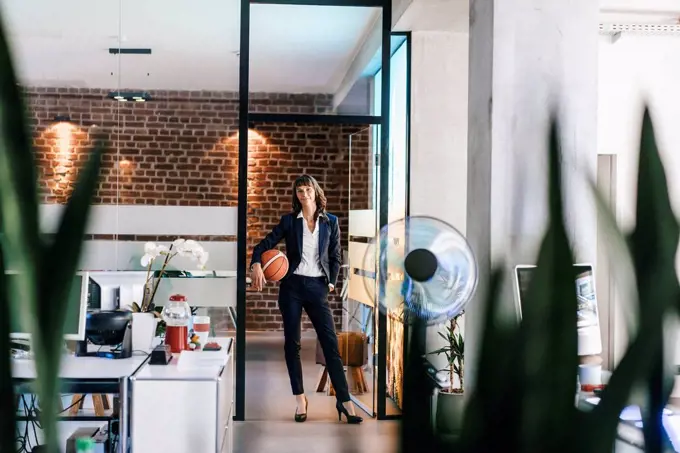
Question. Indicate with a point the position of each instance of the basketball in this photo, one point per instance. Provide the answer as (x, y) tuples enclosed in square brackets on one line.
[(274, 265)]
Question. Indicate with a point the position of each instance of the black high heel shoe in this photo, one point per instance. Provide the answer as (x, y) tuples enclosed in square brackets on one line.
[(302, 417), (351, 419)]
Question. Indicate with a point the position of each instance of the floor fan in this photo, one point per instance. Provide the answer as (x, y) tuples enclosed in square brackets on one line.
[(427, 268)]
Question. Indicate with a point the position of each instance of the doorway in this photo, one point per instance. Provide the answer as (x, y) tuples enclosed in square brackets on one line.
[(272, 122)]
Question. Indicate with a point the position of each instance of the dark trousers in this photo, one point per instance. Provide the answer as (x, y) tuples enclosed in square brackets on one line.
[(311, 293)]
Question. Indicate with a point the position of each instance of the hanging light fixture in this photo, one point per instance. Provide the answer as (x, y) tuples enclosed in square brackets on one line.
[(131, 96)]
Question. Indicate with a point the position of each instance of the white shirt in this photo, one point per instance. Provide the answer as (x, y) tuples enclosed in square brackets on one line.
[(310, 265)]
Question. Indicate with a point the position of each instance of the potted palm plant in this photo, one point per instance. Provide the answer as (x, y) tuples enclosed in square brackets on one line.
[(450, 401)]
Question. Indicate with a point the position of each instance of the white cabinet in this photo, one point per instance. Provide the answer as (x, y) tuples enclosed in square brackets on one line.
[(179, 410)]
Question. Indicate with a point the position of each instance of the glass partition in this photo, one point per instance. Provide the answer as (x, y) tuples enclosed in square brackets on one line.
[(66, 69), (335, 50), (61, 69), (176, 142), (60, 52), (170, 169), (358, 336), (397, 206), (397, 209)]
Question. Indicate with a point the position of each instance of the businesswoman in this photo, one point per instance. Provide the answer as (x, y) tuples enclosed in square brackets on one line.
[(313, 249)]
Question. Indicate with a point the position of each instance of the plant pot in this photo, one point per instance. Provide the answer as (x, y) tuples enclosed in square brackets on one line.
[(450, 408), (143, 331)]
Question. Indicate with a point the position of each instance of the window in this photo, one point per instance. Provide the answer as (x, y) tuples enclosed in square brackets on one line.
[(398, 173)]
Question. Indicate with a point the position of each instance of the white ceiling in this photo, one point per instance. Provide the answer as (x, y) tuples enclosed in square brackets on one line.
[(194, 44), (641, 11), (640, 5)]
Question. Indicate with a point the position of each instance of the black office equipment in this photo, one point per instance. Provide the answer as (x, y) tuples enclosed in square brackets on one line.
[(94, 295), (116, 297), (161, 355), (111, 328)]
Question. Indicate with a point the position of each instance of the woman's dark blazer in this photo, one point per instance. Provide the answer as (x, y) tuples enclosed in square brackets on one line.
[(290, 228)]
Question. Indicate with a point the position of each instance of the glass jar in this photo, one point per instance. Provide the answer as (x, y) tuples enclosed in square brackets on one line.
[(176, 315), (177, 312)]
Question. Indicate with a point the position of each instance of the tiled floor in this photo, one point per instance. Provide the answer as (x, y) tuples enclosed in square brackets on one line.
[(270, 407)]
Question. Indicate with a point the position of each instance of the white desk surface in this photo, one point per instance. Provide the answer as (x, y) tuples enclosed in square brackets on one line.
[(73, 367), (172, 372)]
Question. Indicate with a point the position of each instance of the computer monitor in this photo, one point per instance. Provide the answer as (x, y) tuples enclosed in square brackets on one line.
[(74, 325), (588, 321)]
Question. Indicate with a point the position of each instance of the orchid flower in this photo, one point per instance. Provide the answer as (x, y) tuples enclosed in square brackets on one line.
[(151, 252), (183, 247)]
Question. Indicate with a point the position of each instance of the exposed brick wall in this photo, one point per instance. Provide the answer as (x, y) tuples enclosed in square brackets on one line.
[(279, 154), (182, 149)]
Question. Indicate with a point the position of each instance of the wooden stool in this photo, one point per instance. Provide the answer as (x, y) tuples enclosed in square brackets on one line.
[(99, 401), (323, 381), (354, 354), (356, 381)]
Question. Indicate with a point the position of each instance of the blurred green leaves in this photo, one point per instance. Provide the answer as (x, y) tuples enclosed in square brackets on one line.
[(46, 269), (524, 397)]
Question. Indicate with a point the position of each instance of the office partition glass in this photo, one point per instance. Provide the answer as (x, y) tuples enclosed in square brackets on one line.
[(359, 305), (176, 153), (65, 68), (397, 204)]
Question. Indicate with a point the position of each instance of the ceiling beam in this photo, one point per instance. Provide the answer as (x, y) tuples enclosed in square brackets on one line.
[(359, 3)]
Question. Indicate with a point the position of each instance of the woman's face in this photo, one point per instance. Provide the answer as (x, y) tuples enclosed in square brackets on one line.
[(305, 194)]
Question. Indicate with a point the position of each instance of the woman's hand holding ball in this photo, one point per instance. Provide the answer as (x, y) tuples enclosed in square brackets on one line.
[(258, 277)]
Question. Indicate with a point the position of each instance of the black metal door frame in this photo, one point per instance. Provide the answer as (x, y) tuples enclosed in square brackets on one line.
[(245, 118), (384, 213)]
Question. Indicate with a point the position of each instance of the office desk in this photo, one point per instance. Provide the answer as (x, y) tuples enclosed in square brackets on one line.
[(87, 375), (79, 368), (629, 432), (178, 410)]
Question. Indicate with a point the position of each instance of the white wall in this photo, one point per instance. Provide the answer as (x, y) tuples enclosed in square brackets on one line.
[(535, 58), (438, 170), (543, 57), (438, 178), (633, 70), (526, 57)]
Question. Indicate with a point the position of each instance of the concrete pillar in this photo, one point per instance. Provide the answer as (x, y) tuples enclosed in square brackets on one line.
[(438, 171), (527, 56)]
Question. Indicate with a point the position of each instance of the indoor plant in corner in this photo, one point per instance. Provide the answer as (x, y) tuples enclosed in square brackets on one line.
[(145, 315), (451, 401)]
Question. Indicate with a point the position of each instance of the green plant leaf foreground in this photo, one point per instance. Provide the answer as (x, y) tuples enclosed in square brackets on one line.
[(524, 396), (654, 243), (45, 270)]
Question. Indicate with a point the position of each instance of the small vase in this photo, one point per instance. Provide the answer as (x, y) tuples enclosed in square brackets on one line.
[(143, 331)]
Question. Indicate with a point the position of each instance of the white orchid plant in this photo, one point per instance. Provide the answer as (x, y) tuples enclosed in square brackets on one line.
[(186, 248)]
